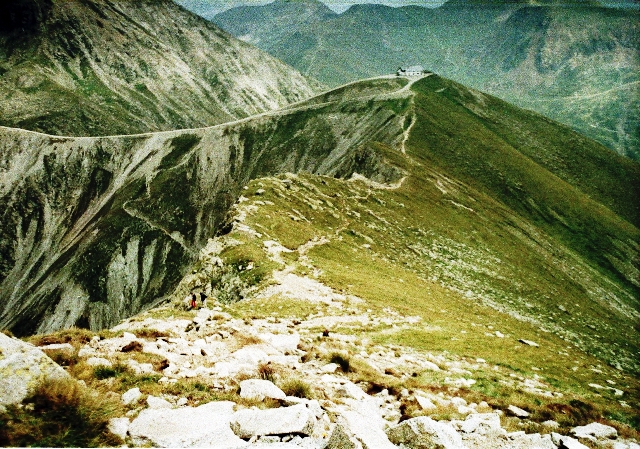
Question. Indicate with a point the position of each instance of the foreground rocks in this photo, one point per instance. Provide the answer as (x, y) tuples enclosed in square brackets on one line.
[(232, 357), (203, 426), (22, 368)]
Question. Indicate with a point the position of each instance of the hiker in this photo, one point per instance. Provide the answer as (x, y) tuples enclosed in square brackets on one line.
[(203, 299), (193, 301)]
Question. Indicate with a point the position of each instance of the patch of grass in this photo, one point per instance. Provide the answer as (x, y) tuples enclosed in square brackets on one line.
[(276, 306), (267, 371), (74, 336), (104, 372), (64, 357), (150, 334), (295, 386), (60, 413), (243, 339), (180, 145), (342, 360)]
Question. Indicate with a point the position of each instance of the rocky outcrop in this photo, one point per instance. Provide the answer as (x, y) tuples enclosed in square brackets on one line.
[(22, 368), (96, 229), (103, 67)]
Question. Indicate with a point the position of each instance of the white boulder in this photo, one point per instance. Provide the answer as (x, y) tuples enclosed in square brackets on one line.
[(425, 433), (517, 411), (351, 390), (204, 426), (119, 426), (22, 368), (482, 423), (158, 403), (425, 403), (131, 396), (140, 368), (260, 389), (341, 439), (250, 355), (276, 421), (595, 431), (568, 442), (367, 431), (99, 361)]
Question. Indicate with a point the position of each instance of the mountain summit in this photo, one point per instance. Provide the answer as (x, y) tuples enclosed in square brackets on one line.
[(576, 63), (102, 67)]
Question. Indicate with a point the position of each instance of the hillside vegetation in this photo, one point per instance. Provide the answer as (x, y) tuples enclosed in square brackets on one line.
[(103, 67), (506, 206), (577, 64), (95, 229)]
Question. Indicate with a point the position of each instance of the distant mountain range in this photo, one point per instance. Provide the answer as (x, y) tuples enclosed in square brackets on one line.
[(104, 67), (577, 63)]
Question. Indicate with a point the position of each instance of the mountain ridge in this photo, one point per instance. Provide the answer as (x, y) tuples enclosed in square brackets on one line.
[(157, 206), (576, 64)]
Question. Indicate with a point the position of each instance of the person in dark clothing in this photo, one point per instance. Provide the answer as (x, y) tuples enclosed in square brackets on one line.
[(203, 299)]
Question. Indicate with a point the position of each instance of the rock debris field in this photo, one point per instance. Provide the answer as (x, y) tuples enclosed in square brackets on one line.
[(247, 358)]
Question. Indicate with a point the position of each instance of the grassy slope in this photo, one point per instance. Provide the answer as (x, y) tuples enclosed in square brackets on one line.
[(499, 226), (374, 237)]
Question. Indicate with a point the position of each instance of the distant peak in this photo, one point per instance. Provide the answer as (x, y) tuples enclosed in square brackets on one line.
[(317, 4)]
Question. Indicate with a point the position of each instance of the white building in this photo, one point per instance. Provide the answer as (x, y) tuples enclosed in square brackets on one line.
[(415, 70)]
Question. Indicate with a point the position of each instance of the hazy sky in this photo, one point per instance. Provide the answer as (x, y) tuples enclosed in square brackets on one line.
[(209, 8)]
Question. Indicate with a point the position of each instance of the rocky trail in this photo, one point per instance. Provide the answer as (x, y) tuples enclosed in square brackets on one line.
[(331, 407)]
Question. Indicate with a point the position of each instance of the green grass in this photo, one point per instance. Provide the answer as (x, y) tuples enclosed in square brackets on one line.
[(401, 228), (60, 414)]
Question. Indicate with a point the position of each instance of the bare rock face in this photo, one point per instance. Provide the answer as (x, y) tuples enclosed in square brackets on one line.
[(22, 367)]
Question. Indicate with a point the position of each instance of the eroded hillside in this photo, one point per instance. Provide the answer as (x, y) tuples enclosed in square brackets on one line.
[(102, 67), (96, 229), (507, 207)]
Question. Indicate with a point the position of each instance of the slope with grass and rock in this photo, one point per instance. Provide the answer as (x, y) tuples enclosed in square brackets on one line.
[(268, 371), (101, 67), (577, 63), (439, 255)]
